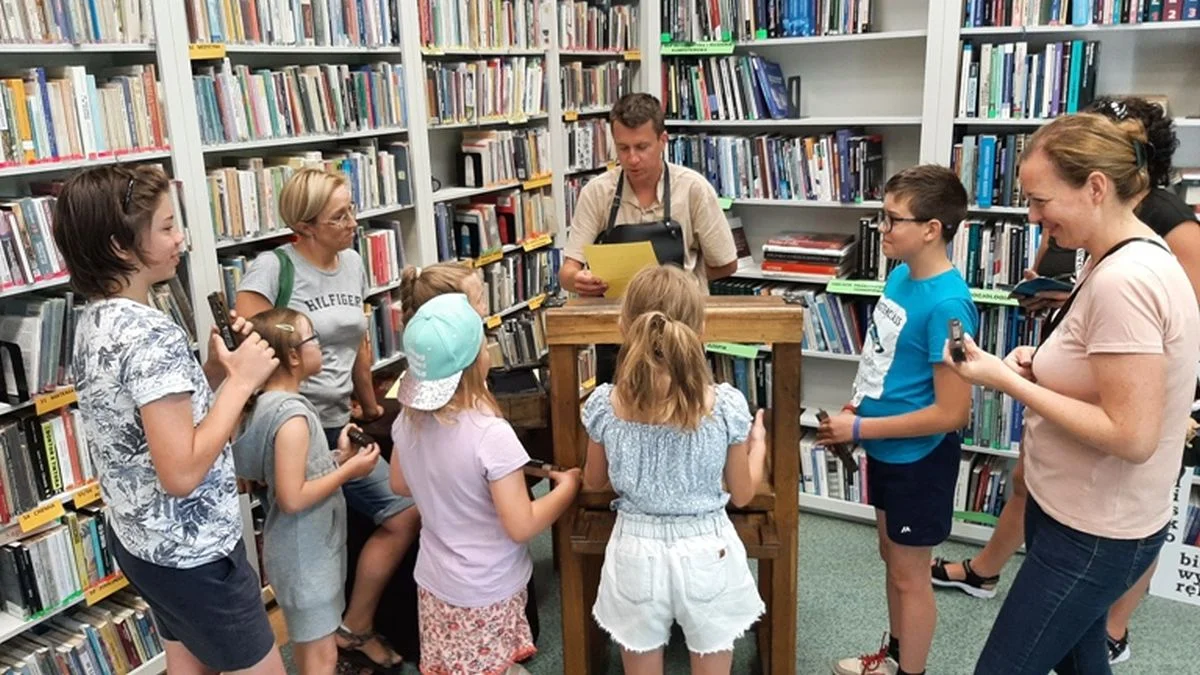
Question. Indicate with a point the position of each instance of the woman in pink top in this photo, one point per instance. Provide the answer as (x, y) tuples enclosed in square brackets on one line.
[(1107, 400)]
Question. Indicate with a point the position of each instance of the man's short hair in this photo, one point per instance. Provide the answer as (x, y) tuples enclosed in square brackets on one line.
[(634, 110), (932, 192)]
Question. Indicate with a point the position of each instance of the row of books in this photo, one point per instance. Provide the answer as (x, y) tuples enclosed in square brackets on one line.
[(42, 457), (987, 166), (491, 157), (113, 637), (996, 419), (594, 85), (1076, 12), (519, 341), (67, 113), (42, 328), (753, 377), (381, 246), (1191, 528), (1009, 81), (589, 145), (385, 319), (52, 567), (519, 276), (244, 195), (822, 255), (490, 222), (702, 21), (486, 89), (28, 253), (77, 21), (991, 253), (481, 24), (845, 166), (237, 103), (172, 299), (573, 186), (598, 25), (740, 87), (324, 23)]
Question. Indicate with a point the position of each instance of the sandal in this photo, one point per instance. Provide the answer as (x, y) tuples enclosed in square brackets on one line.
[(353, 652), (972, 584)]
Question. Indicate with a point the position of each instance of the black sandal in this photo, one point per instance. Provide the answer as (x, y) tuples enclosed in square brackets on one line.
[(972, 584), (352, 652)]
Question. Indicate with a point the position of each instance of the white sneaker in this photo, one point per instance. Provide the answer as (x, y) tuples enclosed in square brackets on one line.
[(878, 663)]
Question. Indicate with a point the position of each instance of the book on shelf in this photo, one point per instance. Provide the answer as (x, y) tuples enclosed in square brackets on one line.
[(810, 253), (116, 635), (302, 23), (518, 277), (589, 145), (574, 186), (28, 254), (381, 246), (702, 21), (593, 85), (384, 326), (598, 25), (1011, 81), (43, 457), (71, 22), (585, 365), (753, 377), (519, 341), (493, 157), (480, 24), (987, 166), (239, 103), (994, 253), (172, 299), (833, 324), (740, 87), (845, 166), (996, 419), (41, 329), (982, 13), (489, 222), (468, 92), (66, 113)]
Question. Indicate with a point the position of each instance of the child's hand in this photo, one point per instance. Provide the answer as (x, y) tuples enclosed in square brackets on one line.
[(345, 448), (758, 432), (571, 478), (362, 462), (251, 364), (837, 429)]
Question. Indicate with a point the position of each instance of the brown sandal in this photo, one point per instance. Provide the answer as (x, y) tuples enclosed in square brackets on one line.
[(353, 653)]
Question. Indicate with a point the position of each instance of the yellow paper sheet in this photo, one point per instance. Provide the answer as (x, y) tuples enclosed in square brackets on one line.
[(615, 264)]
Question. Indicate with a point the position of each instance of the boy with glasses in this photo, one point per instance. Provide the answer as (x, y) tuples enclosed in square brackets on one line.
[(907, 406)]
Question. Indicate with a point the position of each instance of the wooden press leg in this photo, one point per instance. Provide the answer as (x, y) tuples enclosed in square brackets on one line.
[(765, 579), (575, 616), (783, 606), (597, 639)]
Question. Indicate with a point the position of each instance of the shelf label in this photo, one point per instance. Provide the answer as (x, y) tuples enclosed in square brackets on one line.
[(493, 321), (200, 52), (633, 55), (855, 286), (610, 165), (733, 349), (976, 517), (538, 182), (62, 398), (536, 301), (664, 38), (725, 203), (571, 116), (432, 51), (589, 383), (31, 520), (537, 242), (698, 49), (518, 120), (105, 588), (992, 296), (489, 258), (760, 34), (87, 495)]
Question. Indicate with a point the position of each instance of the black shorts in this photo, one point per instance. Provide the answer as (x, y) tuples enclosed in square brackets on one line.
[(918, 497), (215, 610)]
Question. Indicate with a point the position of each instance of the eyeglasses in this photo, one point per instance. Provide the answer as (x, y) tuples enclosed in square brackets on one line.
[(315, 337), (347, 219), (888, 222)]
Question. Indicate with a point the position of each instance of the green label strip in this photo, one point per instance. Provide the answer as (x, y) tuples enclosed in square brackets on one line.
[(698, 49), (725, 203), (976, 517), (733, 349), (989, 296)]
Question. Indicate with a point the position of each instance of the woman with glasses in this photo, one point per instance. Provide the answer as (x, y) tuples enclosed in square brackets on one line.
[(1173, 220), (321, 275)]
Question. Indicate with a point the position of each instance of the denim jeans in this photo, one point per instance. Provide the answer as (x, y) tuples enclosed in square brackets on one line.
[(1055, 615)]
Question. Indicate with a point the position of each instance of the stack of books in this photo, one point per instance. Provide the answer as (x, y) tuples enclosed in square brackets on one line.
[(821, 256)]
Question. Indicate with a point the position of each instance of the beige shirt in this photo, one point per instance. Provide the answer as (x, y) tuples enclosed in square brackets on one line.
[(706, 234), (1138, 301)]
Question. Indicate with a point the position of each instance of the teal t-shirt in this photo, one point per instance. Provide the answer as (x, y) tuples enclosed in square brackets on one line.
[(905, 340)]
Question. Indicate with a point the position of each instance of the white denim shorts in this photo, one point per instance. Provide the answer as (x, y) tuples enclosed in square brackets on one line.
[(659, 570)]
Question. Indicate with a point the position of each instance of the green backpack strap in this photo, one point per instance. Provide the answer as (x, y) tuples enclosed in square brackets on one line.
[(287, 277)]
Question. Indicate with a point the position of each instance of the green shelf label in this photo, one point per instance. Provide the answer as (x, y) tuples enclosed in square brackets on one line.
[(698, 49), (664, 38), (976, 517), (854, 286), (733, 349), (725, 203), (760, 34), (992, 296)]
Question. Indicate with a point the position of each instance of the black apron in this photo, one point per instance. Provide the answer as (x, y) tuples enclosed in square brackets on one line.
[(665, 236)]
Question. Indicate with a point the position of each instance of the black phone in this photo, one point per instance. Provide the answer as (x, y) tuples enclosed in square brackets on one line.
[(958, 352), (359, 438), (220, 312), (839, 450), (536, 467)]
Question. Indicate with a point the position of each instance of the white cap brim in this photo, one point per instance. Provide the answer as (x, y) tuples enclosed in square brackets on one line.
[(427, 395)]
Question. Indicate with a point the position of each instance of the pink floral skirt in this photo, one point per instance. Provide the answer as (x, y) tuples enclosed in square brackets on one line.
[(473, 640)]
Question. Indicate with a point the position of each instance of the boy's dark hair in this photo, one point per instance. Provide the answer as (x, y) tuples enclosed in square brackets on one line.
[(100, 212), (932, 192), (1160, 130), (634, 110)]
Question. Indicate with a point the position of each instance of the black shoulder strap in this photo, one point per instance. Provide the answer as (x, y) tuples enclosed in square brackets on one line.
[(616, 201), (666, 192)]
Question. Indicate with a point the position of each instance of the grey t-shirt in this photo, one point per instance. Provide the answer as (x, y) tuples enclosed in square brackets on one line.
[(333, 301)]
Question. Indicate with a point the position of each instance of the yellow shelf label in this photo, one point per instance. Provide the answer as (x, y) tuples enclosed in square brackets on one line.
[(589, 383), (493, 321), (611, 165), (538, 182), (31, 520), (518, 120), (105, 588), (537, 242), (87, 495), (489, 258), (432, 50), (62, 398), (536, 301), (571, 116), (633, 55), (200, 52)]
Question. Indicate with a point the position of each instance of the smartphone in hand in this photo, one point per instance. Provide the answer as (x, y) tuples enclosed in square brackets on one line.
[(839, 450), (359, 438), (958, 352), (220, 312)]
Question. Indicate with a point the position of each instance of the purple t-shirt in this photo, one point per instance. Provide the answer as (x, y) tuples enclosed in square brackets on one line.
[(466, 557)]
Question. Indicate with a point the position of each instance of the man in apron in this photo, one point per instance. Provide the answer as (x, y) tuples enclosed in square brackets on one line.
[(647, 199)]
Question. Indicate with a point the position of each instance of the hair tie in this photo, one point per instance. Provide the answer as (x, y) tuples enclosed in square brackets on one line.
[(1139, 153)]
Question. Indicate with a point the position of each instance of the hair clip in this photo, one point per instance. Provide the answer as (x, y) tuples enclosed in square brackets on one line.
[(1118, 108), (128, 196), (1139, 153), (286, 327)]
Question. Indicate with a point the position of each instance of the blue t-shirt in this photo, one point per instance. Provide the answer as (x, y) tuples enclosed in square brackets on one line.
[(905, 340)]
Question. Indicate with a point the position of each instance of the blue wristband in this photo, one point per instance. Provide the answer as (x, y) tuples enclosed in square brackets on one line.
[(856, 429)]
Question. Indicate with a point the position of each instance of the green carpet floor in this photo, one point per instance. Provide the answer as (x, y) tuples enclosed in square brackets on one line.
[(842, 611)]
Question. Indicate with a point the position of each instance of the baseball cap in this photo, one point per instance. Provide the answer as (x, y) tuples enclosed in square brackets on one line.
[(441, 340)]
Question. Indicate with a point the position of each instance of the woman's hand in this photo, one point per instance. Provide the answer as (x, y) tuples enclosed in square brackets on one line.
[(1020, 361), (836, 429), (980, 367)]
